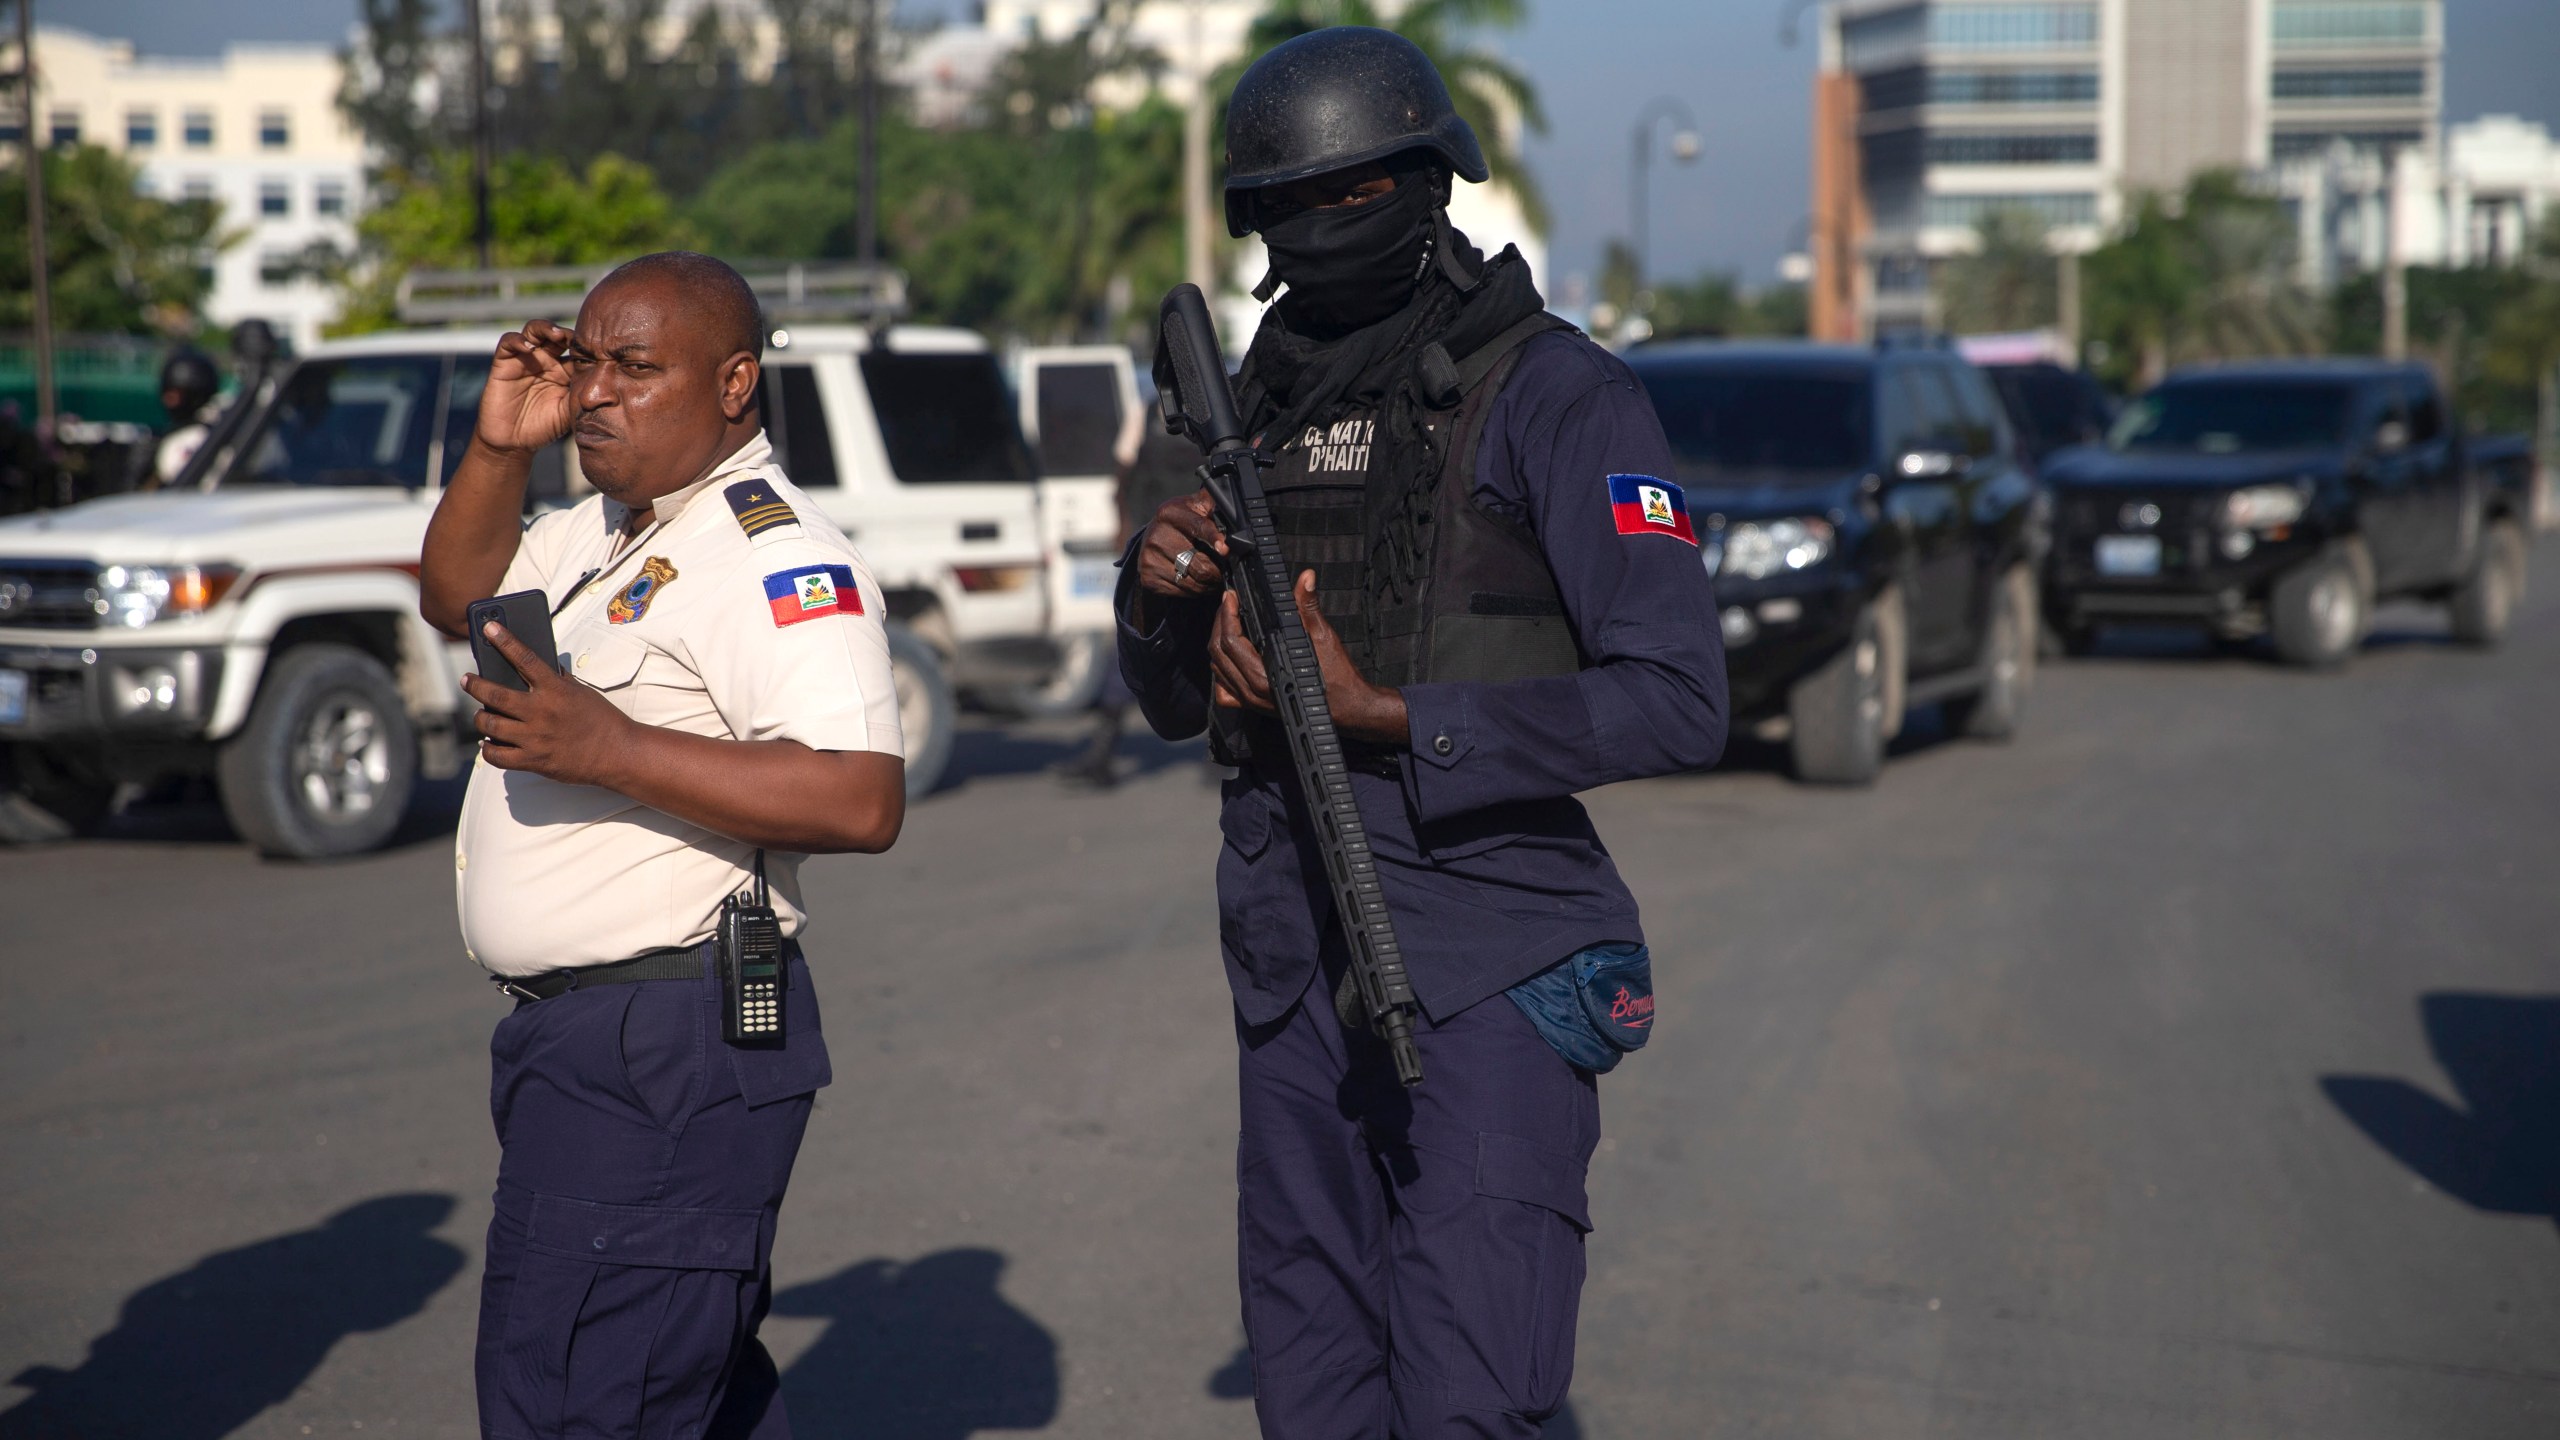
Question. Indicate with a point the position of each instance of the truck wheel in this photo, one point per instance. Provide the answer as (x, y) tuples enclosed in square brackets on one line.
[(45, 795), (2488, 595), (2316, 613), (326, 763), (1837, 734), (1070, 689), (2009, 655), (927, 713)]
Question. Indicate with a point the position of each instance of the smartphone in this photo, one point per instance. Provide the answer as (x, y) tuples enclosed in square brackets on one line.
[(527, 616)]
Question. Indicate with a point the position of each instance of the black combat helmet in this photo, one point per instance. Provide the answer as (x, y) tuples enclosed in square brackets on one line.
[(190, 373), (1334, 98)]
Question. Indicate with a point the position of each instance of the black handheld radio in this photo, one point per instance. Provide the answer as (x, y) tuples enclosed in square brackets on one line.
[(752, 982)]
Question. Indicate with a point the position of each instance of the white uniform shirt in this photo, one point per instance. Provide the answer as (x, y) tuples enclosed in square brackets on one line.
[(741, 613)]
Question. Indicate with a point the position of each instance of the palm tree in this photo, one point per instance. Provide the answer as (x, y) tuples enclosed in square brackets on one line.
[(1484, 86), (2007, 283)]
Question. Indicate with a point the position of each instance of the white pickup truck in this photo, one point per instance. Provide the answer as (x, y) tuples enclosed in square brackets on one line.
[(262, 624)]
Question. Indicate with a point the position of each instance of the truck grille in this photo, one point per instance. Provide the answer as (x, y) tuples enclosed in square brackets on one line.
[(49, 594)]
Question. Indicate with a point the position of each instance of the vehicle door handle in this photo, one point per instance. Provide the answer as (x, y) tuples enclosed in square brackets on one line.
[(980, 530)]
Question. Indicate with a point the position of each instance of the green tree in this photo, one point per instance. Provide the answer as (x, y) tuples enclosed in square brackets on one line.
[(541, 212), (2007, 282), (120, 261), (2206, 276), (2523, 349), (1482, 85)]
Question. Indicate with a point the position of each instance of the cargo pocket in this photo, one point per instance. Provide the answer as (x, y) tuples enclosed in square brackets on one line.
[(1546, 1215), (799, 1065), (622, 1316)]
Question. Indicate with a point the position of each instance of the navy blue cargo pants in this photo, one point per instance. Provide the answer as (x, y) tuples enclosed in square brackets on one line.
[(643, 1161), (1411, 1260)]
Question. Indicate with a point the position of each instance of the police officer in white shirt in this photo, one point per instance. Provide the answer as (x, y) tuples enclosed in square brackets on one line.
[(722, 704)]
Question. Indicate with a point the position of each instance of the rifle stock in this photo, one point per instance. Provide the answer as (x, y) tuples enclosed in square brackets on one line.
[(1192, 383)]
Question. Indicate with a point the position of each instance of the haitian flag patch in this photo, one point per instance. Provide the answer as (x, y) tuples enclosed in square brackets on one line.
[(1647, 506), (812, 591)]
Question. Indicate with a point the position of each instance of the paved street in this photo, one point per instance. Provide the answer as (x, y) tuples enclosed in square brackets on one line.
[(2190, 1067)]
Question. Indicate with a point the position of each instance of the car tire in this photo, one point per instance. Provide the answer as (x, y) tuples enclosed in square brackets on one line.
[(2009, 655), (1836, 733), (928, 714), (1071, 689), (2488, 596), (45, 795), (327, 762), (2317, 612)]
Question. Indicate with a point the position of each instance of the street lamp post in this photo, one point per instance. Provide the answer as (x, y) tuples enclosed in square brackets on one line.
[(31, 148), (1684, 148)]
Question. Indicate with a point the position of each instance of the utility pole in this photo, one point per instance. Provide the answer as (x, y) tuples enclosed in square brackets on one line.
[(2395, 276), (2066, 288), (31, 151), (866, 220), (1199, 262), (481, 234)]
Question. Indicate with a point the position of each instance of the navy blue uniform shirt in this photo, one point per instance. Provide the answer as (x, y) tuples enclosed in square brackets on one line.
[(1491, 868)]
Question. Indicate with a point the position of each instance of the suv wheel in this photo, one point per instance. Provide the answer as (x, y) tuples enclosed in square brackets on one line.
[(2488, 596), (2009, 660), (1838, 712), (927, 714), (45, 795), (326, 763), (2317, 612)]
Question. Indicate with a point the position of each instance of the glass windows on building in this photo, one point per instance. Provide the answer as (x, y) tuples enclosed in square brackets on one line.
[(1965, 212), (329, 197), (2313, 86), (196, 187), (275, 130), (2304, 144), (2346, 24), (2013, 27), (275, 199), (63, 126), (2013, 87), (197, 130), (141, 129), (278, 268), (2002, 147), (1885, 37)]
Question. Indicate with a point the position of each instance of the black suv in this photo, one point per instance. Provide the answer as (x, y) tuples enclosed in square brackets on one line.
[(2282, 498), (1874, 541)]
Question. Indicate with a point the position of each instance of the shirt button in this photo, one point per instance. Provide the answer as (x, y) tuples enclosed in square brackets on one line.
[(461, 862), (1441, 746)]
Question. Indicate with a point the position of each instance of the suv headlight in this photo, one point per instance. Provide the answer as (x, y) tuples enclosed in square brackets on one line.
[(1757, 549), (136, 595), (2262, 507)]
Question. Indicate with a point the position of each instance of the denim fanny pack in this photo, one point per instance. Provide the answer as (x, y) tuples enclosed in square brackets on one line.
[(1595, 1007)]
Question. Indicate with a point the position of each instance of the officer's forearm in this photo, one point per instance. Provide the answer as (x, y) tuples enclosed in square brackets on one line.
[(778, 794), (478, 523)]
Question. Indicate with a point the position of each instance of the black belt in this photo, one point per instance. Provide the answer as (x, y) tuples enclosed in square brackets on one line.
[(676, 962)]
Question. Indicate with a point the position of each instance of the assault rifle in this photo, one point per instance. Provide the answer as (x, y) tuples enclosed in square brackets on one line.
[(1192, 380)]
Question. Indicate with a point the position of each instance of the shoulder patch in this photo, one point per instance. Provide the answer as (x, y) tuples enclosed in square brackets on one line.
[(811, 592), (1645, 505), (759, 507)]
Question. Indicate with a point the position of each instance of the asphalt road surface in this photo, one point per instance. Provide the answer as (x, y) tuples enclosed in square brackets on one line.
[(2189, 1067)]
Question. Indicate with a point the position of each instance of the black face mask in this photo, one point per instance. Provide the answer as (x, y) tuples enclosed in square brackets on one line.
[(1350, 266)]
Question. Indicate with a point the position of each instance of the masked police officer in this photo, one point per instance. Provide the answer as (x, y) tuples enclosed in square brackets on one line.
[(723, 707), (188, 383), (1508, 600)]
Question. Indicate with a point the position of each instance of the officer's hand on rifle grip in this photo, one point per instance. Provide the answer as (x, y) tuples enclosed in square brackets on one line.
[(1360, 710), (1184, 523)]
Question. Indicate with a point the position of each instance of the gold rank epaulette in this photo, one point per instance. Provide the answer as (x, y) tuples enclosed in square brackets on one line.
[(758, 507)]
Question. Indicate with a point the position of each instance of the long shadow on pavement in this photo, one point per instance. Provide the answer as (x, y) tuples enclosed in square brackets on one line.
[(201, 1353), (925, 1349), (2498, 1147)]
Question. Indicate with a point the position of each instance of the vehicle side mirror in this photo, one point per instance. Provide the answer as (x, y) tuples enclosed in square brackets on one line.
[(2391, 437)]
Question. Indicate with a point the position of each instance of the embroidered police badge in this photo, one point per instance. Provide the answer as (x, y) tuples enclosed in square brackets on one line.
[(759, 508), (632, 600)]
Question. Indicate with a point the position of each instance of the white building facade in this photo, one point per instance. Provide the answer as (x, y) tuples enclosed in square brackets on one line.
[(257, 130)]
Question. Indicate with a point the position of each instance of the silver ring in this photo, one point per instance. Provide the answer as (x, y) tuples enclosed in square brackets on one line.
[(1182, 564)]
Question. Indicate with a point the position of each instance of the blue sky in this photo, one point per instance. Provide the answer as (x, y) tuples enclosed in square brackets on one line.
[(1596, 62)]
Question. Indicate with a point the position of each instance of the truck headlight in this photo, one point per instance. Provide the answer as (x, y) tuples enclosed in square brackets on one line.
[(135, 595), (1758, 549), (2262, 507)]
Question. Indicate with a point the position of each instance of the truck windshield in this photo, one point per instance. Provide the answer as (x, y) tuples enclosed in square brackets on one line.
[(946, 417), (359, 421), (1721, 421), (2227, 418)]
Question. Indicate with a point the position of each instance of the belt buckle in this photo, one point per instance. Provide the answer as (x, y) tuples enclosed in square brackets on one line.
[(510, 987)]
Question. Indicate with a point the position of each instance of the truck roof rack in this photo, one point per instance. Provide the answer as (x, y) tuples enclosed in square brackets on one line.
[(808, 293)]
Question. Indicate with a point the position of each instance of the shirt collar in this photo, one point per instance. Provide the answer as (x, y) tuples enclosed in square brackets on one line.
[(756, 453)]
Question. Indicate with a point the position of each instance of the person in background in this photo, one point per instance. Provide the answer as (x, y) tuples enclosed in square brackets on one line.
[(188, 383)]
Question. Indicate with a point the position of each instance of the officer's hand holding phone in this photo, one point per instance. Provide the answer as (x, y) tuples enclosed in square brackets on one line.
[(555, 726), (527, 404)]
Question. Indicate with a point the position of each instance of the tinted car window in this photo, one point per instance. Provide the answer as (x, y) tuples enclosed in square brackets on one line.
[(2052, 407), (2231, 417), (549, 480), (1923, 412), (2426, 413), (797, 420), (361, 421), (946, 418), (1723, 420), (1980, 408), (1079, 419)]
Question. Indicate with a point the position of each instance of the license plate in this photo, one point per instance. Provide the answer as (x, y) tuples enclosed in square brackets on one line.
[(13, 697), (1093, 575), (2128, 554)]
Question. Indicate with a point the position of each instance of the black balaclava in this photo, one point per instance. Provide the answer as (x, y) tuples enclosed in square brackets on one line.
[(1350, 266)]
